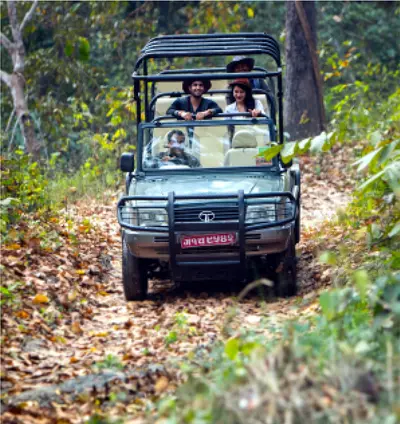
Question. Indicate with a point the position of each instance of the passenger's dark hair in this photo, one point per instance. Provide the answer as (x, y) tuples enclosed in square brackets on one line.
[(249, 99), (173, 132)]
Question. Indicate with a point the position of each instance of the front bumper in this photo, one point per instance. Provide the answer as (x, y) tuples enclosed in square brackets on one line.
[(256, 239), (155, 245)]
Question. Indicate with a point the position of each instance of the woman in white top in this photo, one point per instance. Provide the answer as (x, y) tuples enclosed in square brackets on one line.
[(242, 100)]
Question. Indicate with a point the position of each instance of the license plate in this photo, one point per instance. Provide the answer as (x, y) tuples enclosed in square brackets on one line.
[(203, 240)]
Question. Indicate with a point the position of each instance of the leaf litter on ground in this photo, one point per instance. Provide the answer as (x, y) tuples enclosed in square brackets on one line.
[(66, 311)]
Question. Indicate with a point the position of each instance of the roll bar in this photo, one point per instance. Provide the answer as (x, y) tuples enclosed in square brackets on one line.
[(204, 45)]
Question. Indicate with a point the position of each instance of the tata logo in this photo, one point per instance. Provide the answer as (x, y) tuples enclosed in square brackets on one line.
[(206, 216)]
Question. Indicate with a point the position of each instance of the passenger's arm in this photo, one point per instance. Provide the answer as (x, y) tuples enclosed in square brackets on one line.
[(213, 109), (176, 110), (258, 110)]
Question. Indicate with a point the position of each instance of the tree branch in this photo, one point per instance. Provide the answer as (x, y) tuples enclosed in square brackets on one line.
[(10, 120), (6, 42), (5, 77), (12, 15), (28, 16)]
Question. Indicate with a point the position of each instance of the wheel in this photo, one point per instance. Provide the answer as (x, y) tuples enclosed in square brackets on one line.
[(297, 223), (134, 274), (286, 271)]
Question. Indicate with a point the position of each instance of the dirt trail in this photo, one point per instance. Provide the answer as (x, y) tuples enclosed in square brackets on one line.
[(174, 321)]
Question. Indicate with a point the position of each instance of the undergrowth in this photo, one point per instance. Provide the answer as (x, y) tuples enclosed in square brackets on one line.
[(42, 191), (342, 365)]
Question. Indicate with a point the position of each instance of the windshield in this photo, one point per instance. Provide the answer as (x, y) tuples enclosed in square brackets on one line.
[(202, 146)]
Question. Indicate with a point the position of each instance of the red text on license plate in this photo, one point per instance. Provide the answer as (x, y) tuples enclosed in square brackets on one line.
[(202, 240)]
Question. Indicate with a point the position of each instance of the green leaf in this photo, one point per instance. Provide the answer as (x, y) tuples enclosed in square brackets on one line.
[(321, 143), (367, 159), (232, 348), (329, 302), (387, 152), (374, 178), (69, 48), (9, 201), (395, 230), (84, 49), (362, 282), (328, 258), (304, 145), (375, 137), (270, 152), (289, 151)]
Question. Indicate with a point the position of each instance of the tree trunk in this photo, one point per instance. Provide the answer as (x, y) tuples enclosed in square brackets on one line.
[(26, 123), (16, 81), (304, 110), (163, 17)]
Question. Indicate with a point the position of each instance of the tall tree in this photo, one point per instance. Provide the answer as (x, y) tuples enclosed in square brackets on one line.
[(15, 80), (304, 108)]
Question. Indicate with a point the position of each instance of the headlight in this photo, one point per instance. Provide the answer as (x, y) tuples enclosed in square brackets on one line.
[(260, 213), (154, 217)]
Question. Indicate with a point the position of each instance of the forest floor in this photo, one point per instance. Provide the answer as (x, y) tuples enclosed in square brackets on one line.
[(72, 346)]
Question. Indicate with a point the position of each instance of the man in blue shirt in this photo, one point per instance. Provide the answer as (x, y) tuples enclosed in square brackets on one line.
[(194, 105)]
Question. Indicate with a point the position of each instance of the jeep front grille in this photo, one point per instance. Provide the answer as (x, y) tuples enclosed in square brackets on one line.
[(192, 214)]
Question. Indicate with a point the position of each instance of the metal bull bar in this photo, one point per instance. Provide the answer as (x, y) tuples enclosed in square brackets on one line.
[(239, 226)]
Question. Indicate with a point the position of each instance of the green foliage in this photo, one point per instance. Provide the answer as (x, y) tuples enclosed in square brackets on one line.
[(289, 150), (180, 330), (348, 341), (7, 295), (110, 362), (28, 188), (171, 337), (24, 189)]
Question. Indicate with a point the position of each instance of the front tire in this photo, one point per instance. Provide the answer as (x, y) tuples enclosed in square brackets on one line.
[(134, 274), (286, 271)]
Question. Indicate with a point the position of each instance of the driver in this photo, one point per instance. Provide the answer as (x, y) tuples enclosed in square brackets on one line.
[(176, 151)]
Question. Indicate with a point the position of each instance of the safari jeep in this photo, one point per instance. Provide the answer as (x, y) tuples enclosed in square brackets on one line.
[(228, 213)]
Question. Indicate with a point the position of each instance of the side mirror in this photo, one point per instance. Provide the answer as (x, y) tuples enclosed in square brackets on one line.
[(127, 163)]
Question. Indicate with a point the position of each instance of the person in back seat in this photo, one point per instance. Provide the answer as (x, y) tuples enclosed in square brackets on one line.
[(241, 99), (246, 64), (195, 103)]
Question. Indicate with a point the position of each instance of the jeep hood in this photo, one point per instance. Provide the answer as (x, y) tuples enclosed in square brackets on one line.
[(207, 184)]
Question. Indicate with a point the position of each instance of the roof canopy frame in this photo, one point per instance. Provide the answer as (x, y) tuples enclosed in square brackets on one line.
[(205, 45)]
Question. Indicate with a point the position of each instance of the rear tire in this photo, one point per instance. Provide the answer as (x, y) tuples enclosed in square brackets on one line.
[(297, 224), (286, 271), (134, 274)]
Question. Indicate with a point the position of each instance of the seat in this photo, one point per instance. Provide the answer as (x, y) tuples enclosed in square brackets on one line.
[(210, 145), (159, 140), (162, 105), (244, 150)]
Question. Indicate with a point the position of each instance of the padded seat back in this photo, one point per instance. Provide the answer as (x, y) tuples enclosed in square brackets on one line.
[(261, 133), (244, 150), (159, 140), (210, 145)]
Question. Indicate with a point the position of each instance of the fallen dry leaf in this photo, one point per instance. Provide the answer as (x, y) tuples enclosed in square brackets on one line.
[(76, 328), (161, 385), (40, 299)]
